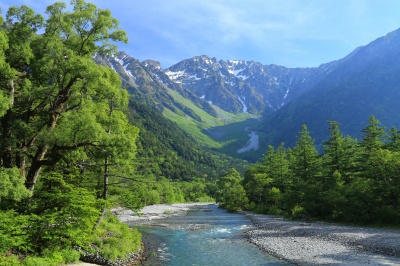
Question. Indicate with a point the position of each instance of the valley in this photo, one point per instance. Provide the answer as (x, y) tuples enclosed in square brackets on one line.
[(212, 99), (87, 129)]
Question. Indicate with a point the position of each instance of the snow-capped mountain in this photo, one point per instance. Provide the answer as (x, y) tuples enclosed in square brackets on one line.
[(245, 86), (147, 81), (233, 85)]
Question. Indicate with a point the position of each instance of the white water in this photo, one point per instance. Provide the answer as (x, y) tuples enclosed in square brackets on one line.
[(217, 241)]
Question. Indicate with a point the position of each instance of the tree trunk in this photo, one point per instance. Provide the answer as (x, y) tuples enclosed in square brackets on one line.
[(37, 161), (35, 168), (105, 185), (20, 161)]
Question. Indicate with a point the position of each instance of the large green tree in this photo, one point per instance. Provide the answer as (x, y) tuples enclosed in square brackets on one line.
[(63, 128), (58, 98), (230, 192), (306, 160)]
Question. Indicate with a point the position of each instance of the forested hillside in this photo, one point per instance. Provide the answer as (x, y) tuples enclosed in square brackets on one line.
[(352, 181), (165, 150)]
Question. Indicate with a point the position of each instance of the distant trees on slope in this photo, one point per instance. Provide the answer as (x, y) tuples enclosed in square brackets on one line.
[(352, 181)]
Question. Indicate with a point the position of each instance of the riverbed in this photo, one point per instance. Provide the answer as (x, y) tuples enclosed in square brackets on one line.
[(252, 144), (319, 243), (207, 235)]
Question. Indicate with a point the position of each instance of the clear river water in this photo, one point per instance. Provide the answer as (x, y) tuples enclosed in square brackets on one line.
[(209, 237)]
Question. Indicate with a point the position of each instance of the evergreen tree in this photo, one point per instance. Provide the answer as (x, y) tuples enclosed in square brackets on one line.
[(394, 140), (373, 135), (306, 160), (334, 148), (280, 168)]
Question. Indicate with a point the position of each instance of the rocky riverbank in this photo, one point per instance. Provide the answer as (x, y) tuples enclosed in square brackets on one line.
[(317, 243), (150, 214)]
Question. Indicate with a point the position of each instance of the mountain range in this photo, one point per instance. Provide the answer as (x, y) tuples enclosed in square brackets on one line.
[(219, 102)]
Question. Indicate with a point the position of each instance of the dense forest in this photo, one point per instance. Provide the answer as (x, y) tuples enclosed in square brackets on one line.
[(69, 149), (165, 150), (352, 181)]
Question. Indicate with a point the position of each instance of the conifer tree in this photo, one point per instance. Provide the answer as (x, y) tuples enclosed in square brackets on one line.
[(306, 160)]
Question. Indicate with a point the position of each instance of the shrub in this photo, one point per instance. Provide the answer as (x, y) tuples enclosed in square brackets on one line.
[(11, 260), (297, 212), (114, 239)]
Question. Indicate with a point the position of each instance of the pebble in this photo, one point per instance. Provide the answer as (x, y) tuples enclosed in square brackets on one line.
[(319, 243)]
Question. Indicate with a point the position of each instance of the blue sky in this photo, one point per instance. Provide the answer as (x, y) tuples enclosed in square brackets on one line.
[(292, 33)]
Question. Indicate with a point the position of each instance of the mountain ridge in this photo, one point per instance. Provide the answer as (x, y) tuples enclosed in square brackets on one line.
[(366, 84), (284, 98)]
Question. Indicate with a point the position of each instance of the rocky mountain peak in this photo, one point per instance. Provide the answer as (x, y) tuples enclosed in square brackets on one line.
[(152, 64)]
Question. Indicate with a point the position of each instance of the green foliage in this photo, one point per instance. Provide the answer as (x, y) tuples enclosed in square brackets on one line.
[(197, 190), (64, 215), (64, 132), (53, 258), (9, 260), (230, 194), (297, 212), (372, 135), (141, 192), (12, 185), (113, 239), (165, 150), (58, 64), (351, 182), (306, 159), (13, 232)]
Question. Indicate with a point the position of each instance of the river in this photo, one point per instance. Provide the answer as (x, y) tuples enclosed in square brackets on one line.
[(252, 144), (208, 237)]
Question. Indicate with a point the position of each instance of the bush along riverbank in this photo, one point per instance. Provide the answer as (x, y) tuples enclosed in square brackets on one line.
[(114, 244), (111, 243)]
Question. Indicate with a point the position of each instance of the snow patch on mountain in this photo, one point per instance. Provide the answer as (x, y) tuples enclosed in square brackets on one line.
[(194, 77), (286, 94), (128, 72), (158, 77), (270, 106), (243, 103), (242, 77), (112, 66), (235, 72), (173, 76)]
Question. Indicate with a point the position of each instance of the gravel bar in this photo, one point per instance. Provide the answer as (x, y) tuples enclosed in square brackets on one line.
[(318, 243)]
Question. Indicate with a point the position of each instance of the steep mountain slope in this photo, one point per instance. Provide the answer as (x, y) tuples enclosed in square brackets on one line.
[(245, 86), (165, 150), (147, 80), (148, 84), (211, 99), (368, 83)]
